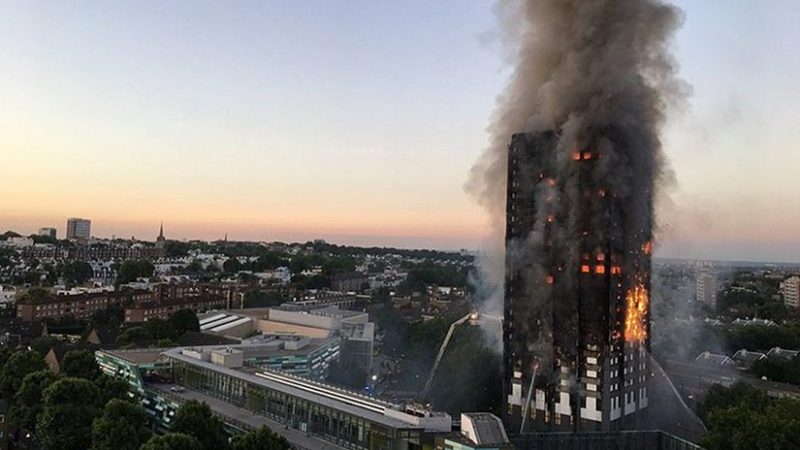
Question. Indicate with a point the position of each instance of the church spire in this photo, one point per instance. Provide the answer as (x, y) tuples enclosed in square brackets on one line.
[(161, 231)]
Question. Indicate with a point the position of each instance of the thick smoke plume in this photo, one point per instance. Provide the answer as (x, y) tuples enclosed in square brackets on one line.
[(579, 65)]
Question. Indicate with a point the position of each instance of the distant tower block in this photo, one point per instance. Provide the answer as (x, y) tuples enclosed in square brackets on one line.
[(576, 319), (79, 228), (706, 289)]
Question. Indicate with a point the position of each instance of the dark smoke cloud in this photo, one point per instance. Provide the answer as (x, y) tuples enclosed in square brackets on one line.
[(579, 65)]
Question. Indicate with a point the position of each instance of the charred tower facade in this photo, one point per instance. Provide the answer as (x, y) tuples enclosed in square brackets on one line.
[(576, 313)]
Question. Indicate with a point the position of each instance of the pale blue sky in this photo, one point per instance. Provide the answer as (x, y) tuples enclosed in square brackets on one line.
[(354, 120)]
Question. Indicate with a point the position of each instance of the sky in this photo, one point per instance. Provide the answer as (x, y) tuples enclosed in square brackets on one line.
[(355, 121)]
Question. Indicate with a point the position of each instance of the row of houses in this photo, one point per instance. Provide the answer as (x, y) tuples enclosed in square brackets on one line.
[(743, 358), (158, 300)]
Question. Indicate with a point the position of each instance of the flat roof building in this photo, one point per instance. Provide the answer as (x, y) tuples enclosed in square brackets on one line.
[(300, 409), (47, 231), (790, 290), (79, 228), (706, 289)]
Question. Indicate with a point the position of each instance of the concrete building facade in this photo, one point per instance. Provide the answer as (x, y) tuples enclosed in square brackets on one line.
[(78, 228), (790, 290), (706, 289), (310, 414)]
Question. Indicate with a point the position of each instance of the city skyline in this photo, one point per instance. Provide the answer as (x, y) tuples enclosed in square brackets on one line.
[(280, 126)]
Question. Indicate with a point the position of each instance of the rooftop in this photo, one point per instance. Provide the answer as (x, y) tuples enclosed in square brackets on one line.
[(713, 359), (343, 400), (138, 355), (487, 428), (783, 353)]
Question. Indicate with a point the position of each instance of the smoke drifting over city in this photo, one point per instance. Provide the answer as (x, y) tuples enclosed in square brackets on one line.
[(580, 66)]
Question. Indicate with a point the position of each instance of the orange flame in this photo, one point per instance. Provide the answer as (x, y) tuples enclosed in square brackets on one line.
[(636, 314)]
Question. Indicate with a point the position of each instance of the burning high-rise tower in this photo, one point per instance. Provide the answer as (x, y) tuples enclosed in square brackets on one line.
[(592, 83), (576, 325)]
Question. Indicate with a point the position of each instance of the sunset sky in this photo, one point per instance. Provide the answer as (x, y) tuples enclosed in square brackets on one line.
[(355, 121)]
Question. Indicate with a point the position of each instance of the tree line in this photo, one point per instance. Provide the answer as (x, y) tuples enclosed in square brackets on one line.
[(742, 417), (82, 408)]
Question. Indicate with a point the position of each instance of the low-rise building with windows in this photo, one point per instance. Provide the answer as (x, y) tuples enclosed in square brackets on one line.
[(309, 414)]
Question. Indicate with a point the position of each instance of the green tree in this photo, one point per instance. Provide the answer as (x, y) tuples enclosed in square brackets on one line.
[(232, 265), (173, 441), (184, 320), (81, 364), (740, 427), (268, 261), (138, 336), (161, 329), (27, 402), (77, 272), (42, 345), (43, 239), (5, 353), (9, 234), (112, 388), (780, 369), (165, 343), (259, 298), (123, 426), (111, 316), (18, 366), (177, 249), (132, 269), (33, 295), (261, 439), (69, 408), (338, 264), (720, 397), (195, 419)]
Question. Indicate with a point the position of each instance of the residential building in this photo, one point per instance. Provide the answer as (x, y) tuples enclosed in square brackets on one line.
[(81, 305), (349, 282), (47, 231), (714, 360), (79, 228), (790, 290), (7, 294), (746, 359), (576, 326), (754, 322), (778, 352), (148, 310), (20, 242), (706, 292)]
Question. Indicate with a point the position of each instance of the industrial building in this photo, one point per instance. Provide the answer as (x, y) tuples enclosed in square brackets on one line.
[(576, 315)]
